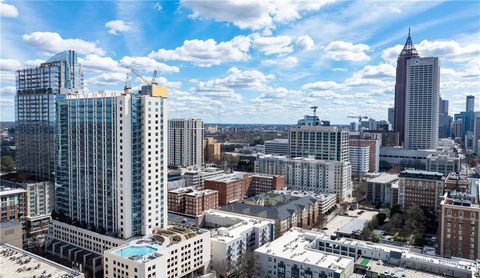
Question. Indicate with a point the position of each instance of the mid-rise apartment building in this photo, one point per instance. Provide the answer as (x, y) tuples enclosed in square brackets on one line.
[(276, 146), (360, 160), (12, 202), (421, 188), (196, 176), (262, 183), (192, 201), (321, 142), (373, 150), (185, 143), (382, 190), (231, 187), (212, 150), (309, 174)]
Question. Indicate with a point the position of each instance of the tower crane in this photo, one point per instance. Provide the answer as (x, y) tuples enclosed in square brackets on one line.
[(154, 78), (138, 75), (127, 87), (314, 108), (360, 117)]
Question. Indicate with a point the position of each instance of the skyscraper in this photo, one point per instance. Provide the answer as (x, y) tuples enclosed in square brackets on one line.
[(444, 120), (185, 142), (407, 53), (391, 115), (111, 169), (470, 105), (37, 92), (443, 107), (422, 103)]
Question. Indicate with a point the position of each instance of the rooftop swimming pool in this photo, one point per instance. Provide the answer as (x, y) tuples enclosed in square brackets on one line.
[(140, 251)]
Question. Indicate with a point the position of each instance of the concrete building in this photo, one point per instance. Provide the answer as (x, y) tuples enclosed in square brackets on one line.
[(443, 163), (212, 150), (359, 159), (295, 255), (262, 183), (374, 150), (11, 233), (230, 187), (185, 143), (309, 174), (397, 156), (457, 182), (470, 104), (195, 177), (170, 253), (12, 259), (112, 170), (13, 204), (234, 237), (459, 229), (421, 188), (383, 190), (322, 142), (38, 89), (276, 146), (191, 201), (422, 103)]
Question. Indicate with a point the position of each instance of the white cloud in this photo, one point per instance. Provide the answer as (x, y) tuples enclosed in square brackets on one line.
[(117, 26), (53, 43), (100, 64), (288, 62), (106, 79), (251, 14), (9, 65), (8, 10), (158, 6), (237, 79), (34, 62), (147, 64), (347, 51), (322, 85), (304, 42), (273, 45), (378, 71), (206, 53), (8, 90)]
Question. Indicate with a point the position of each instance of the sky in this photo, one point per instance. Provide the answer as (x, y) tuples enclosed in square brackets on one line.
[(235, 61)]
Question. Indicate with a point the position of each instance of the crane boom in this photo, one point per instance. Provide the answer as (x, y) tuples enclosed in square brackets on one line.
[(138, 75)]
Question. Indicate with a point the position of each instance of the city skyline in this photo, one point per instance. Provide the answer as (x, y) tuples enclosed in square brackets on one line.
[(266, 64)]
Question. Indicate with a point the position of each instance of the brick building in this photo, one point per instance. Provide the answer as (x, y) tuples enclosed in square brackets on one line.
[(12, 204), (262, 183), (231, 187), (191, 201), (420, 188)]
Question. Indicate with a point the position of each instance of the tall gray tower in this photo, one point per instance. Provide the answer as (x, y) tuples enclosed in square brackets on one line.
[(422, 103), (470, 107)]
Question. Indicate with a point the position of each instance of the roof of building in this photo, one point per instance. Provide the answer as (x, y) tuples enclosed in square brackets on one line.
[(420, 174), (225, 178), (293, 245), (394, 271), (354, 226), (278, 140), (4, 191), (383, 178), (16, 262), (302, 193)]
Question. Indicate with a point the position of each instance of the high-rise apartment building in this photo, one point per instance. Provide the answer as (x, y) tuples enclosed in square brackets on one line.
[(407, 53), (373, 145), (422, 103), (359, 159), (322, 142), (185, 142), (38, 89), (111, 171), (470, 104)]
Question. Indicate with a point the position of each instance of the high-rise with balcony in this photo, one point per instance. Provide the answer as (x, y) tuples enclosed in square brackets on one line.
[(38, 89), (111, 170), (185, 142), (422, 103), (407, 53)]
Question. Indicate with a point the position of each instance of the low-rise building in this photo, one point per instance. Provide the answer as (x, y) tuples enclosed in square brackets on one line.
[(421, 188), (16, 262), (295, 255), (231, 187), (443, 163), (233, 238), (398, 156), (191, 201), (276, 146), (195, 177), (457, 182), (382, 190), (327, 202), (262, 183), (309, 174), (173, 252), (12, 203)]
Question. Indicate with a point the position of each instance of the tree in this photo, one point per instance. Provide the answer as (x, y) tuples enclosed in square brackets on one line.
[(381, 218), (366, 233), (415, 221), (396, 209), (395, 224), (7, 163)]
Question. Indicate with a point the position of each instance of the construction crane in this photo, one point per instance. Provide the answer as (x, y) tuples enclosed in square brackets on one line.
[(154, 78), (139, 75), (314, 108), (360, 118)]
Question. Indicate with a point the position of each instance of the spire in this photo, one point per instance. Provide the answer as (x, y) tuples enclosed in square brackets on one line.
[(408, 49)]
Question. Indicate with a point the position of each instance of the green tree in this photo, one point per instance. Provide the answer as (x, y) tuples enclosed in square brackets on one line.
[(396, 209), (395, 224), (381, 218), (7, 163), (415, 221)]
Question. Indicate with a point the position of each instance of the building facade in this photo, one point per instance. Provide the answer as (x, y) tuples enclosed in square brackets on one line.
[(111, 172), (443, 163), (360, 160), (212, 150), (322, 142), (383, 190), (192, 201), (195, 177), (230, 187), (262, 183), (37, 92), (374, 150), (420, 188), (185, 143), (422, 103), (309, 174), (276, 146)]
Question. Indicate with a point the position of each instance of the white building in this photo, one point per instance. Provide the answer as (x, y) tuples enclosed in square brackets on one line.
[(309, 174), (276, 146), (359, 159), (322, 142), (422, 103), (295, 255), (233, 237), (409, 158), (443, 163), (383, 190), (174, 252), (185, 142), (195, 176)]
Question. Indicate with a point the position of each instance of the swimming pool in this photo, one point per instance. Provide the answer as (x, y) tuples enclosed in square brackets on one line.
[(136, 251)]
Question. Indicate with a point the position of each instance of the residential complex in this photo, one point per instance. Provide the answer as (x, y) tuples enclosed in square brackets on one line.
[(359, 159), (321, 142), (12, 203), (421, 188), (276, 146), (38, 89), (382, 190), (262, 183), (373, 150), (230, 187), (309, 174), (191, 201), (195, 177), (185, 143)]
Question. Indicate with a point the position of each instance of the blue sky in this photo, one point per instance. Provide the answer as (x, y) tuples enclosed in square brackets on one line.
[(249, 61)]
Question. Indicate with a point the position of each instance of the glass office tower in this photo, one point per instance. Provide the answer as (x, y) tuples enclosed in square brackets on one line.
[(37, 92)]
